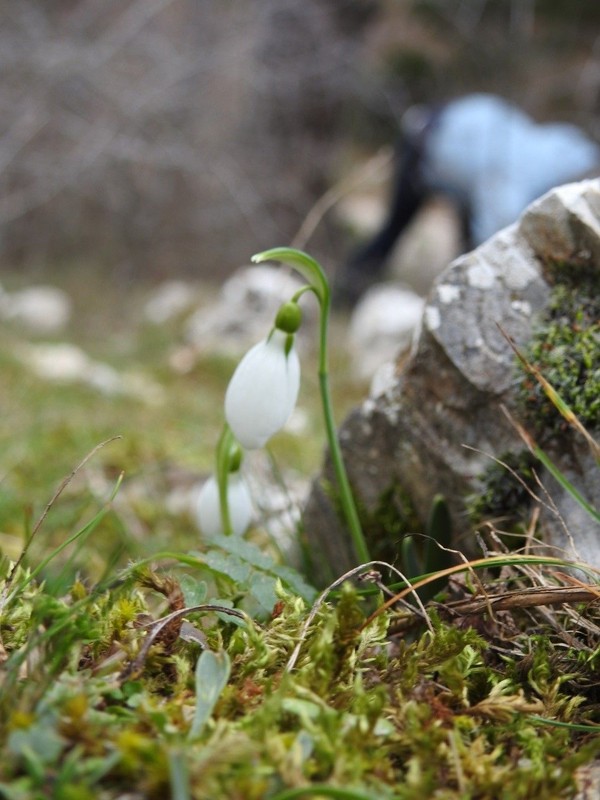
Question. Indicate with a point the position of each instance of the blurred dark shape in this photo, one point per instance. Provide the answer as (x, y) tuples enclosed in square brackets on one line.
[(487, 156)]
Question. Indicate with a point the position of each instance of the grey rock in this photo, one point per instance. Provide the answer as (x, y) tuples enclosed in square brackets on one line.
[(435, 427)]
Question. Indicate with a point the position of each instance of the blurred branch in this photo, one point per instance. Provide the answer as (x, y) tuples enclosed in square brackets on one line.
[(367, 172)]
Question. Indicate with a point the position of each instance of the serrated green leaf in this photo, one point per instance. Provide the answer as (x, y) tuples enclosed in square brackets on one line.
[(252, 555), (194, 591)]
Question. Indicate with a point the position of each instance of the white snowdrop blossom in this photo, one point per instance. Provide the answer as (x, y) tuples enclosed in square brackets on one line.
[(208, 509), (263, 390)]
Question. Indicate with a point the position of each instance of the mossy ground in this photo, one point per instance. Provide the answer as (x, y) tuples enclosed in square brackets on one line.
[(485, 705), (454, 712)]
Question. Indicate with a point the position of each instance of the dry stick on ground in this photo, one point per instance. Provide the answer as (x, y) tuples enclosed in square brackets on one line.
[(526, 598), (479, 562)]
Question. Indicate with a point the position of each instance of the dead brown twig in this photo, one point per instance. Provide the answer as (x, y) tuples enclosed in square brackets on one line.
[(526, 598)]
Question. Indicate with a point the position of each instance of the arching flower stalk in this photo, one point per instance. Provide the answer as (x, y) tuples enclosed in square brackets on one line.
[(312, 272), (262, 394)]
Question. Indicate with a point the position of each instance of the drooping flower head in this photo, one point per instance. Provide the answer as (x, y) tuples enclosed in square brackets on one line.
[(264, 388)]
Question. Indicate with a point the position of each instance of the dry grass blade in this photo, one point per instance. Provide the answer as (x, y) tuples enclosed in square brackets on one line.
[(377, 164), (338, 582), (475, 564)]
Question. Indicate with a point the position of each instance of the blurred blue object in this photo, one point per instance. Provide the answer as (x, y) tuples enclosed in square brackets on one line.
[(484, 153)]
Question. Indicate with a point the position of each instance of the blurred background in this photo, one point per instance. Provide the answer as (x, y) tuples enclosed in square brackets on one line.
[(165, 138)]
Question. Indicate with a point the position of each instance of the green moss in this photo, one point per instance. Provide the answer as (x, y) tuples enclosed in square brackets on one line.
[(445, 715), (565, 349)]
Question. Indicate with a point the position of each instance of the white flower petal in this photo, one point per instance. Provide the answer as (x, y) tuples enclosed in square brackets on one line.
[(208, 510), (263, 391)]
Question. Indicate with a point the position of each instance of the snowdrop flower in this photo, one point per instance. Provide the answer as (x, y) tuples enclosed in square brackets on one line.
[(264, 388), (208, 510)]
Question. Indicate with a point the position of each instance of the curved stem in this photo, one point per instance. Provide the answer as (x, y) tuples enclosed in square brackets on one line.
[(346, 496), (313, 273)]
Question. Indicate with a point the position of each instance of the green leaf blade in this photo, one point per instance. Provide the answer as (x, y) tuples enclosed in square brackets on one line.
[(212, 673)]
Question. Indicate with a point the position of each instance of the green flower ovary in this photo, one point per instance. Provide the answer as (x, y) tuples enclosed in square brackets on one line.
[(289, 317)]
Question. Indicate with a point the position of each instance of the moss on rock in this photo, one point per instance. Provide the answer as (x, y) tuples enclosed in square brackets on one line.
[(565, 349)]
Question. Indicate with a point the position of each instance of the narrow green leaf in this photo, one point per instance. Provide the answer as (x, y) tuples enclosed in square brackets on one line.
[(565, 483), (85, 531), (212, 674), (179, 776)]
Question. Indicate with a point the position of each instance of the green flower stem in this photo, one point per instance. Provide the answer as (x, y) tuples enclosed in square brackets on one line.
[(224, 453), (346, 496), (314, 275)]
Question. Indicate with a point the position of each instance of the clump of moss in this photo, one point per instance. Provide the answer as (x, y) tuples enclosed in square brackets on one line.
[(565, 350), (364, 712)]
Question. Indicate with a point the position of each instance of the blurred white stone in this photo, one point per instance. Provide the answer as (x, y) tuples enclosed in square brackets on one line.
[(363, 212), (382, 326), (67, 363), (58, 362), (140, 386), (183, 499), (168, 301), (183, 359), (245, 310), (42, 309)]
